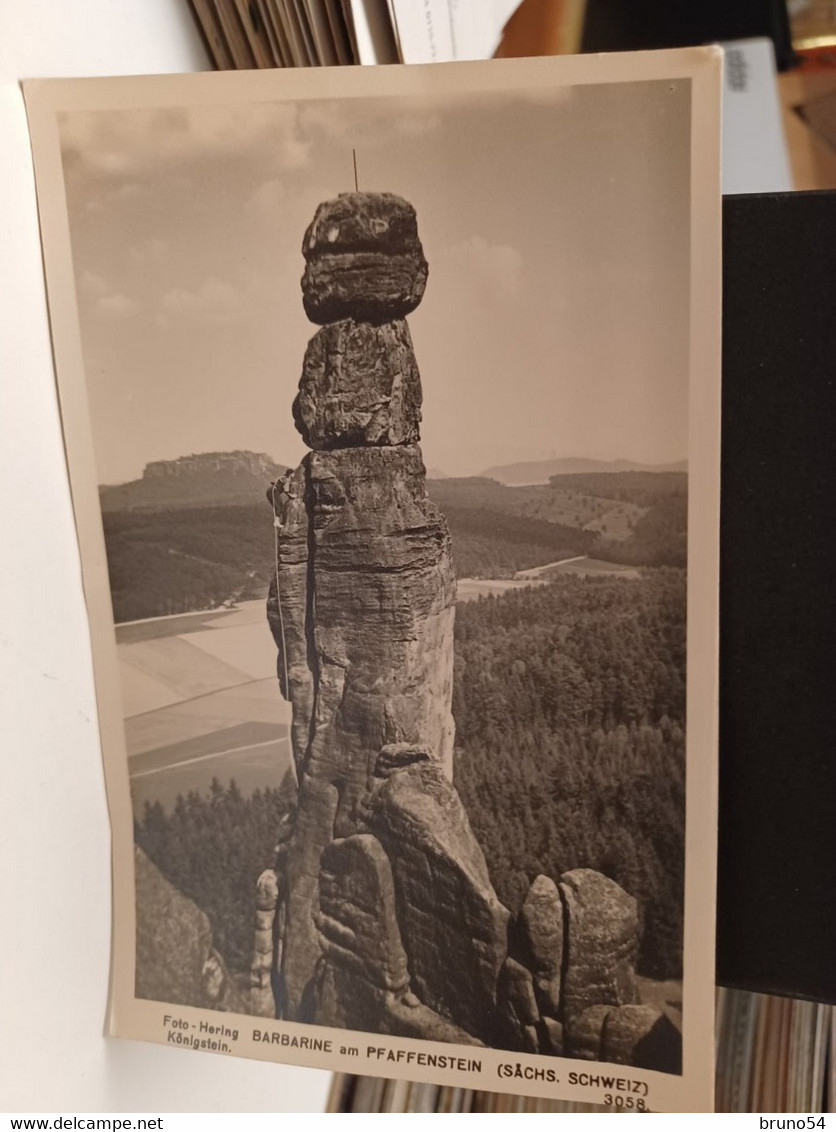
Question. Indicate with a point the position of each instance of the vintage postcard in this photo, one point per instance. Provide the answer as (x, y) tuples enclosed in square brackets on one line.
[(391, 408)]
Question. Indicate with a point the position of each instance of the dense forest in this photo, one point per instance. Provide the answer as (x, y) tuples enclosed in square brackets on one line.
[(214, 850), (569, 702)]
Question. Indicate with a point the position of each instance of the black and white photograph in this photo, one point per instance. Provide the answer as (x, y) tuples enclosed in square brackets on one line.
[(391, 419)]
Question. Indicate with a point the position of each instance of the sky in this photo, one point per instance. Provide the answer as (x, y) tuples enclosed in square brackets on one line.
[(556, 227)]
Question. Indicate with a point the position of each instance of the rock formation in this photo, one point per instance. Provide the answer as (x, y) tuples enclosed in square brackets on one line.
[(363, 602), (264, 945), (601, 940), (363, 260), (455, 930), (380, 914), (541, 933), (176, 961)]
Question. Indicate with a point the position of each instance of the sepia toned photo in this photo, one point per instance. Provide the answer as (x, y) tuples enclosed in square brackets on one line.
[(391, 417)]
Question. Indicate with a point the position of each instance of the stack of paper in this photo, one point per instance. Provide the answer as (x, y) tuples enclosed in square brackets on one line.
[(245, 34)]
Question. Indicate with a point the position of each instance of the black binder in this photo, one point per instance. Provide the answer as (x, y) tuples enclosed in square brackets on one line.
[(777, 855), (636, 25)]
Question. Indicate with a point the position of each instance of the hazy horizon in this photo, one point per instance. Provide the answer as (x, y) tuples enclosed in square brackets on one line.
[(556, 226), (430, 469)]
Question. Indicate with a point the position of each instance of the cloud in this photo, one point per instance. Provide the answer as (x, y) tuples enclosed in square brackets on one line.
[(154, 250), (93, 284), (214, 300), (117, 305), (93, 288), (129, 190), (125, 145), (417, 124), (267, 197), (496, 269), (368, 124)]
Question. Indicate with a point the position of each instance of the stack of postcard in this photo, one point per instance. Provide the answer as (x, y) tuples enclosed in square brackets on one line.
[(772, 1055), (247, 34)]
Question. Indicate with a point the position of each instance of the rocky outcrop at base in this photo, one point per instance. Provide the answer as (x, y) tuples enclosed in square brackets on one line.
[(264, 945), (454, 927), (540, 933), (601, 939), (176, 961)]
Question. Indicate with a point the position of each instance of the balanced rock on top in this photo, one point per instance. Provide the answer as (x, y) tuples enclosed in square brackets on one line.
[(363, 259)]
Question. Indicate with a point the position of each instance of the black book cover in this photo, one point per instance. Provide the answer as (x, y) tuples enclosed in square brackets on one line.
[(776, 927), (613, 25)]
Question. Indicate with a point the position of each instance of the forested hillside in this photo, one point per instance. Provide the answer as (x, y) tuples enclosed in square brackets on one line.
[(569, 702), (187, 558), (636, 518), (540, 471), (659, 536), (490, 544), (568, 504), (642, 488)]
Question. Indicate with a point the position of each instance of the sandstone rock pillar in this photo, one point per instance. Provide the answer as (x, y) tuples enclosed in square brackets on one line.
[(362, 605)]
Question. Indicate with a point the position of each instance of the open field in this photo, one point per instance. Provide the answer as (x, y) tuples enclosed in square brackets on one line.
[(469, 589), (201, 701)]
